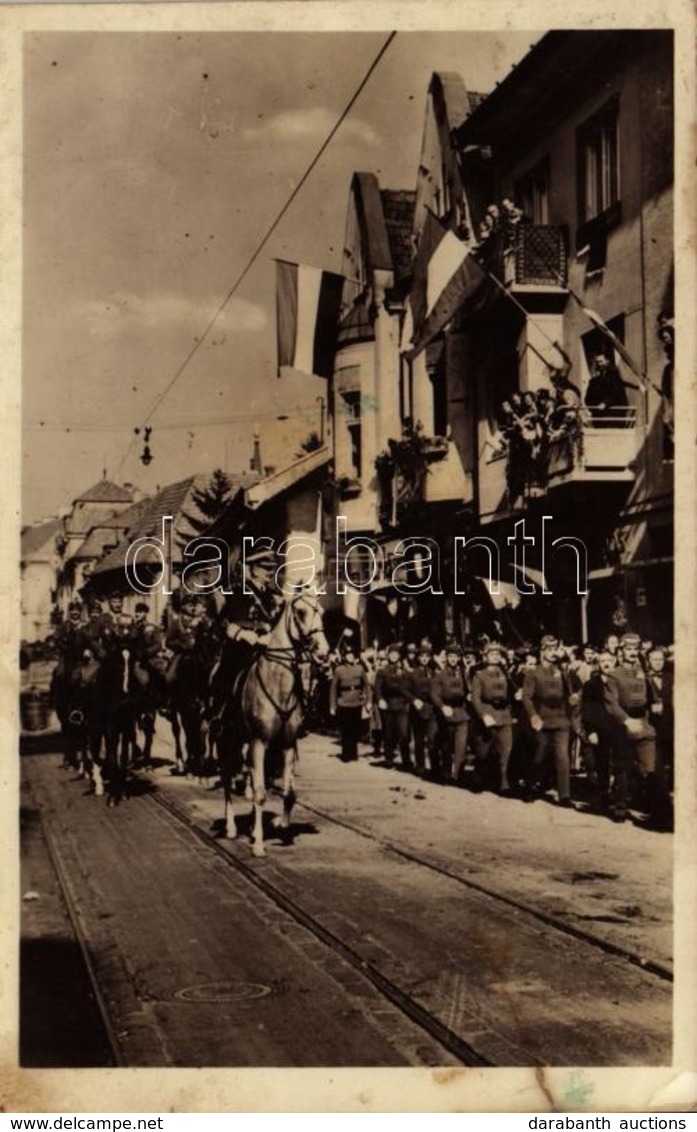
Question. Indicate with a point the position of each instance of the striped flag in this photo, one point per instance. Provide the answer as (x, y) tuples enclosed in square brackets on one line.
[(308, 302), (445, 276)]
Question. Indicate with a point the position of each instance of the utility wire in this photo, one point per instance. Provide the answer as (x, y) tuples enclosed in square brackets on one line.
[(260, 247), (213, 422)]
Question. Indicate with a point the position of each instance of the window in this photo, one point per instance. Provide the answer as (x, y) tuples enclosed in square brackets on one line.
[(532, 193), (598, 163), (352, 410)]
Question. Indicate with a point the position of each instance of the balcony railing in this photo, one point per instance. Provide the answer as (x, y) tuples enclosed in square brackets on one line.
[(604, 451), (536, 257)]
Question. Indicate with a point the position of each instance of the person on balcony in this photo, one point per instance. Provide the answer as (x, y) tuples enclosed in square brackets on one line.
[(606, 395)]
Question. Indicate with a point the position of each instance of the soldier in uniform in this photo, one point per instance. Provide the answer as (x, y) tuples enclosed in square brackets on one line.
[(548, 703), (449, 694), (146, 642), (349, 695), (661, 684), (599, 730), (71, 643), (628, 702), (246, 620), (492, 704), (391, 685), (424, 723), (117, 626)]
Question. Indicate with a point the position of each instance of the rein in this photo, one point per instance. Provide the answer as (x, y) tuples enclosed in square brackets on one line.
[(284, 655)]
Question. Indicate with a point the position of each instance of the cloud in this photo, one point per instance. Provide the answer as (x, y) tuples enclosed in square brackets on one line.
[(123, 311), (316, 123)]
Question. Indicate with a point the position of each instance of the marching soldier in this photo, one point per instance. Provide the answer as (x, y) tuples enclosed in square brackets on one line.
[(548, 705), (424, 723), (661, 684), (492, 703), (599, 729), (391, 685), (628, 700), (449, 694), (349, 694)]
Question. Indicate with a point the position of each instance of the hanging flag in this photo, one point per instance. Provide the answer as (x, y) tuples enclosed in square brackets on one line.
[(460, 289), (445, 276), (431, 235), (308, 303)]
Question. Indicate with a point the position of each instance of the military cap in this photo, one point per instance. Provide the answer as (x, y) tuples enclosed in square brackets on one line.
[(75, 605), (395, 646), (94, 603), (425, 649), (492, 646), (453, 647), (261, 558), (549, 642), (142, 607), (630, 639)]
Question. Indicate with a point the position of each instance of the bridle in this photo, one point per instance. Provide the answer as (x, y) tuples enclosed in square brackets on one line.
[(285, 655)]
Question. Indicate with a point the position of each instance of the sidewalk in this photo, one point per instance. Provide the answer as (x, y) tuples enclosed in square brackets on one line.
[(613, 881)]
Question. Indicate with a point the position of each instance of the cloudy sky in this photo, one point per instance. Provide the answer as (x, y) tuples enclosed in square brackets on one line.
[(154, 164)]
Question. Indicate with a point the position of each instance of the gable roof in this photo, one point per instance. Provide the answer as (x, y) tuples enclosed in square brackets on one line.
[(144, 520), (148, 523), (398, 209), (455, 96), (106, 492), (36, 538)]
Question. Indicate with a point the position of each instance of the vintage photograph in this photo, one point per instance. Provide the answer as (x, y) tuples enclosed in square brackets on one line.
[(347, 657)]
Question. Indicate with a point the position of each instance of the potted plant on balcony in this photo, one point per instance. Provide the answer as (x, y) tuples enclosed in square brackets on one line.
[(402, 469)]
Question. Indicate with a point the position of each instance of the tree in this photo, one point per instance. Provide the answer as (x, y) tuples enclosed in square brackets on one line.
[(209, 503)]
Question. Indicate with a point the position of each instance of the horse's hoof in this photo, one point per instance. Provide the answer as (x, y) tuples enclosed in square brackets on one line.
[(258, 851), (98, 790), (110, 802)]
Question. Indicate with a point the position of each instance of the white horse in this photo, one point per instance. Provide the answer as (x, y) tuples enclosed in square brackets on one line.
[(267, 709)]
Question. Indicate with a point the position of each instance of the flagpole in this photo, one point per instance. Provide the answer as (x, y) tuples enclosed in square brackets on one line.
[(643, 378), (520, 307)]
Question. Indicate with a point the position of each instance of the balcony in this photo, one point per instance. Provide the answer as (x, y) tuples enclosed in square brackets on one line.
[(604, 451), (534, 259)]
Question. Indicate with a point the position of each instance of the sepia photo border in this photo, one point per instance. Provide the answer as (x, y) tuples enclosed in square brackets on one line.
[(353, 1090)]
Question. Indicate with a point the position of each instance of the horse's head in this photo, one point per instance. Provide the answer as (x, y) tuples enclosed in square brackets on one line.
[(306, 628)]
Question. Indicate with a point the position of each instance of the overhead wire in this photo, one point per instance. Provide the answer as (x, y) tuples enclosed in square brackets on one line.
[(261, 245)]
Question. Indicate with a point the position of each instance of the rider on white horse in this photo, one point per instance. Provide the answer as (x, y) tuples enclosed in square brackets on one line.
[(246, 618)]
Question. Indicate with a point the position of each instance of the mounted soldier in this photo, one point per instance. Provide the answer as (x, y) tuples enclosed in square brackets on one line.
[(71, 642), (246, 620)]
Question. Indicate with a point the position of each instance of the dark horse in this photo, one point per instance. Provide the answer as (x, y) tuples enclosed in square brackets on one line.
[(121, 703), (266, 708), (186, 682)]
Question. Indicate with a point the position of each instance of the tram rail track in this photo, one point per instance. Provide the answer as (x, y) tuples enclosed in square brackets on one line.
[(234, 854), (437, 1030), (650, 966), (67, 889)]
